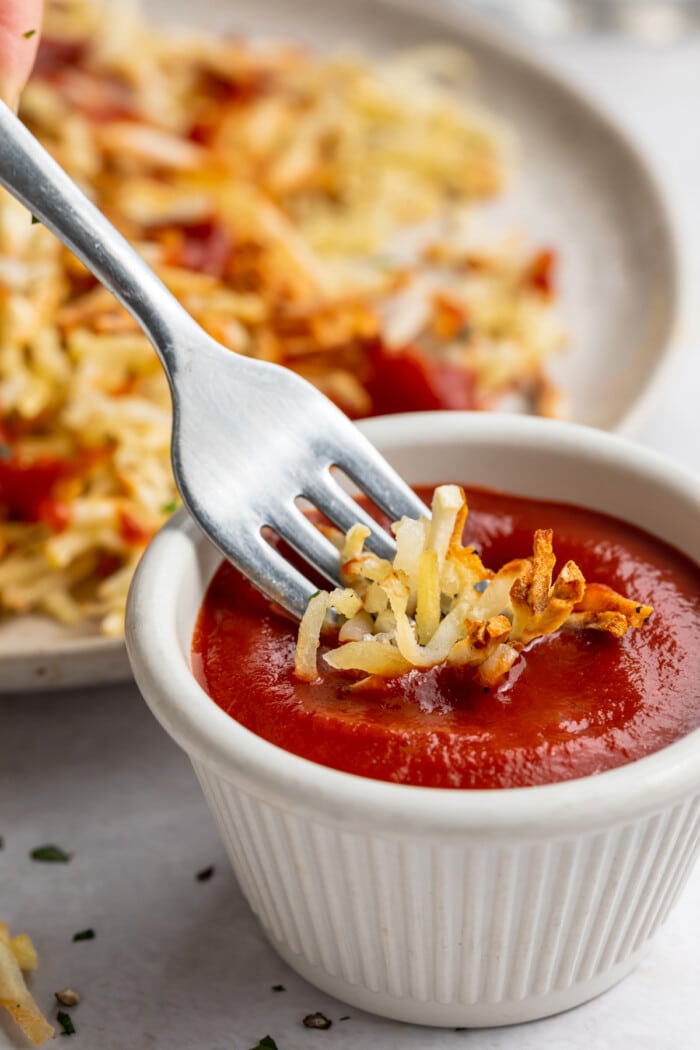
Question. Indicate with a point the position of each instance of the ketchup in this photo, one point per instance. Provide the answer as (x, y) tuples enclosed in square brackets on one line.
[(27, 490), (409, 380), (574, 704)]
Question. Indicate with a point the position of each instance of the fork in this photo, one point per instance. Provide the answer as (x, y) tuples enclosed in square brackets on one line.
[(250, 439)]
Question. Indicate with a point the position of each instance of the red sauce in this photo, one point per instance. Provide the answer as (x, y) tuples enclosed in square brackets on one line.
[(31, 491), (576, 703), (205, 247), (25, 489), (409, 380), (53, 55), (542, 271)]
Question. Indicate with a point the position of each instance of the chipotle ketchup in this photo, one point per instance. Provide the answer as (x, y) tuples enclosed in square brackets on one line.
[(574, 703)]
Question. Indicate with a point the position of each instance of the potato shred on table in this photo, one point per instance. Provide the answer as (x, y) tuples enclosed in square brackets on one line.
[(18, 954), (314, 211)]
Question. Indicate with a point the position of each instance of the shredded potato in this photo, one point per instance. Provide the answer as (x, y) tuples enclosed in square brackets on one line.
[(18, 954), (447, 607), (313, 211)]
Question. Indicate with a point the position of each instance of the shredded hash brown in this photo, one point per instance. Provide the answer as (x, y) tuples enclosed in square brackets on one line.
[(437, 603), (18, 956), (315, 211)]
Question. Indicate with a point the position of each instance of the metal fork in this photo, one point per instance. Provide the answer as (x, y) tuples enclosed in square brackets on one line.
[(249, 438)]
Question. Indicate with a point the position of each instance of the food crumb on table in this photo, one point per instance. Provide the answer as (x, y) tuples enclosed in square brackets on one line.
[(317, 1020)]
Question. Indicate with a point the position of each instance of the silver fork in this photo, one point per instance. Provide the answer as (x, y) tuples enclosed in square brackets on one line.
[(249, 438)]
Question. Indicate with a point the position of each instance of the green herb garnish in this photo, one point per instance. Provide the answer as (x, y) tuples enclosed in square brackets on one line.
[(205, 874), (29, 34), (84, 935), (266, 1043), (278, 988), (35, 221), (50, 853), (65, 1022), (170, 507)]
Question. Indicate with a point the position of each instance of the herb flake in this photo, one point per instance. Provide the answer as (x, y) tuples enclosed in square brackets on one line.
[(51, 854), (5, 451), (205, 874), (170, 507), (65, 1022), (266, 1043), (2, 842), (29, 34), (35, 221), (278, 988), (84, 935)]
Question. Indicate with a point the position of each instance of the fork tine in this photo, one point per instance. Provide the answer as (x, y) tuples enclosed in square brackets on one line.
[(300, 533), (272, 574), (373, 475), (340, 508), (244, 545)]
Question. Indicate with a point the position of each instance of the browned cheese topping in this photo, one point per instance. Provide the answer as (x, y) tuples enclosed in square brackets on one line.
[(437, 602)]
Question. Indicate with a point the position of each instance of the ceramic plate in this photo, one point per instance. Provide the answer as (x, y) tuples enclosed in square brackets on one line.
[(579, 185)]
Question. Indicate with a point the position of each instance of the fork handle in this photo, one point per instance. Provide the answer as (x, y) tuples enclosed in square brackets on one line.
[(31, 175)]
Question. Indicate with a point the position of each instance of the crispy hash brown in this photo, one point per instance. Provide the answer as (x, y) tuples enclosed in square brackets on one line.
[(313, 211), (437, 603)]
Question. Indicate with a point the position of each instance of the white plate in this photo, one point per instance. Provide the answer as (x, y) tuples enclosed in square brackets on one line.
[(36, 653), (580, 186)]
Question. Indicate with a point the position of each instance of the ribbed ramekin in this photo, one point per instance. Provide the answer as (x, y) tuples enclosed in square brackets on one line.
[(438, 906)]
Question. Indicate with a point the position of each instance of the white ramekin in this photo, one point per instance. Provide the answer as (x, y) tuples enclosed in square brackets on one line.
[(435, 906)]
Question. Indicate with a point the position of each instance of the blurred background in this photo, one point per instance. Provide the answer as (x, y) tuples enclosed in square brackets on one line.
[(656, 21), (641, 60)]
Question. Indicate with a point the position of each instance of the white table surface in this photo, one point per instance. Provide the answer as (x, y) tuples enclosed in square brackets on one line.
[(178, 963)]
